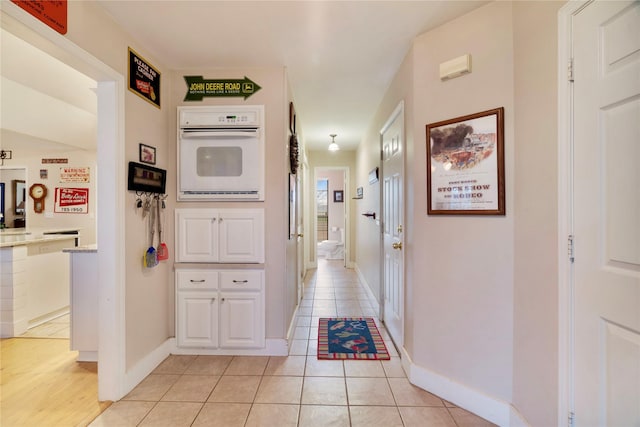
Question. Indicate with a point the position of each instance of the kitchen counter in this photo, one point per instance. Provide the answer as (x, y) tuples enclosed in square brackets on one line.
[(82, 249), (35, 277), (10, 237)]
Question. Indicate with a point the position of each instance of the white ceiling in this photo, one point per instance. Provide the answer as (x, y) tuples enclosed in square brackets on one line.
[(340, 55)]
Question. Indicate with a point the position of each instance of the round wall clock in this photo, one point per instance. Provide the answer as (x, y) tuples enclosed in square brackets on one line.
[(38, 192)]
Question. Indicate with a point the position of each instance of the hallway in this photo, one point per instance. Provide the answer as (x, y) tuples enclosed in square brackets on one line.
[(294, 390)]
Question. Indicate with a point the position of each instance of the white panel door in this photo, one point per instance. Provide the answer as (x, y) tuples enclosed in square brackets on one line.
[(196, 235), (606, 228), (241, 320), (392, 223), (241, 236), (197, 319)]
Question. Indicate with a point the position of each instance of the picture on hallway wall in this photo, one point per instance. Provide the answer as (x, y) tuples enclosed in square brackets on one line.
[(465, 165), (338, 196)]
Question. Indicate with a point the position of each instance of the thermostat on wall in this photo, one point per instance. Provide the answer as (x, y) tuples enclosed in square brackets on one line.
[(455, 67)]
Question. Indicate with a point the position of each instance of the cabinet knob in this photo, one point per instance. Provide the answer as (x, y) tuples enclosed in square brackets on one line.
[(222, 299)]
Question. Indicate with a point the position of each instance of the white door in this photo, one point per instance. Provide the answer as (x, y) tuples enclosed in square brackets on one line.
[(241, 234), (197, 235), (392, 223), (197, 319), (241, 320), (606, 227)]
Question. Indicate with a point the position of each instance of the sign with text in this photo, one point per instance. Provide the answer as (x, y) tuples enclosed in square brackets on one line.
[(72, 200), (144, 80), (198, 88), (52, 13), (77, 174)]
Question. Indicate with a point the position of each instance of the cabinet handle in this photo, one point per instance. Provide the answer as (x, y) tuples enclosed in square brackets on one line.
[(197, 281), (213, 219), (240, 281)]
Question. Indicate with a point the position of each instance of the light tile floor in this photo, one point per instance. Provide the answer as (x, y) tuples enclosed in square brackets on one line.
[(295, 390)]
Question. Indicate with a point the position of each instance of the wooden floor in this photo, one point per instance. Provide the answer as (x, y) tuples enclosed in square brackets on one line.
[(41, 384)]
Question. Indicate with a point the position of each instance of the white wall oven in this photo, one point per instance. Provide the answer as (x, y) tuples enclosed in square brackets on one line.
[(221, 151)]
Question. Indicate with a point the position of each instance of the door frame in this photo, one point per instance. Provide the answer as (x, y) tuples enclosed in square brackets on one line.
[(111, 203), (347, 214), (398, 111), (566, 353)]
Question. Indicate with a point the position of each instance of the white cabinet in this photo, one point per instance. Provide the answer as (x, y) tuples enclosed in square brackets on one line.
[(241, 309), (220, 309), (220, 235), (197, 301)]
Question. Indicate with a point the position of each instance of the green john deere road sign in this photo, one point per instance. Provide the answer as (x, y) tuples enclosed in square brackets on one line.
[(198, 88)]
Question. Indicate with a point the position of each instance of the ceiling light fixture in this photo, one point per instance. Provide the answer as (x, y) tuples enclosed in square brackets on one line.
[(333, 146)]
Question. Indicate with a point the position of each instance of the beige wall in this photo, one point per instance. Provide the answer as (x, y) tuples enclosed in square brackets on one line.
[(535, 378), (462, 272), (481, 292), (272, 96), (149, 310)]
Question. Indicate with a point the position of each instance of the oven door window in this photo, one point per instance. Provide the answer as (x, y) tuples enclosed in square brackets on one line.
[(219, 161)]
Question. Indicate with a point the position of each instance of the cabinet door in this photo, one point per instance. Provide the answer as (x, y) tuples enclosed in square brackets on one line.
[(197, 319), (241, 320), (241, 236), (196, 235)]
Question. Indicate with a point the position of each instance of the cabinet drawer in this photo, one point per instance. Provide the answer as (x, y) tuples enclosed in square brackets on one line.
[(241, 280), (197, 279)]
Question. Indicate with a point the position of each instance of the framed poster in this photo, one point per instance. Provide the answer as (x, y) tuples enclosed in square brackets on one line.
[(144, 79), (71, 200), (465, 165), (338, 196)]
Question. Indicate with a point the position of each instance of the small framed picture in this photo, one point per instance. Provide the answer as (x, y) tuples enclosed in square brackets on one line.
[(338, 196), (147, 154)]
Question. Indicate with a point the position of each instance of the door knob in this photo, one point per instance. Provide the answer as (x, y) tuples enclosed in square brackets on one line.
[(300, 235), (397, 245)]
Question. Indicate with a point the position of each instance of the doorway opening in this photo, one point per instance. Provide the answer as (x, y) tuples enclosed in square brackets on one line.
[(331, 216)]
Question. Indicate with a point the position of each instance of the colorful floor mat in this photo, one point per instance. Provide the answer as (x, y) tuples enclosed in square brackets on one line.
[(350, 338)]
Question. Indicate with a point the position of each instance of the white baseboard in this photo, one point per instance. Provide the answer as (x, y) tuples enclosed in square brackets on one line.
[(144, 367), (367, 287), (273, 347), (490, 408)]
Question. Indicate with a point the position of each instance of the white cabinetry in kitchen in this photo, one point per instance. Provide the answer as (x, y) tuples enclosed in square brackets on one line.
[(220, 309), (220, 235)]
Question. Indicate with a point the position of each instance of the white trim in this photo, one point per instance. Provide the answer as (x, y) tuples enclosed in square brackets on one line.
[(565, 210), (490, 408), (110, 153), (146, 365), (273, 347), (367, 287), (347, 215)]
